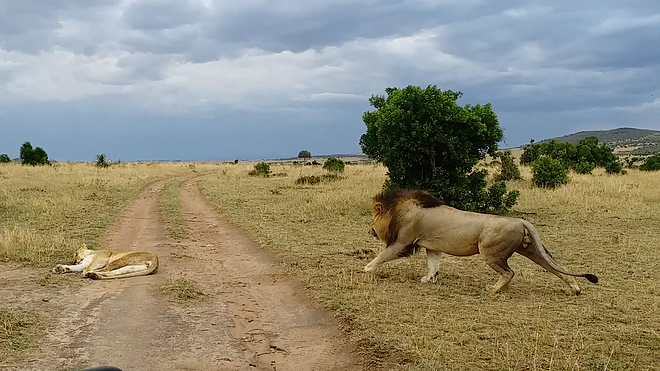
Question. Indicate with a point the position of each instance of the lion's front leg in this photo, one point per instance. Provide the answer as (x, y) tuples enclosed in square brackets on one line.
[(433, 260), (392, 252), (62, 268)]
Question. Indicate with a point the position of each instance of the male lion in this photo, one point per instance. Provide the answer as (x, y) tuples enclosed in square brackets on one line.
[(407, 220), (106, 264)]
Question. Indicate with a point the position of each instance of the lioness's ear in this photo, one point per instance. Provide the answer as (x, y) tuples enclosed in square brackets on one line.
[(378, 208)]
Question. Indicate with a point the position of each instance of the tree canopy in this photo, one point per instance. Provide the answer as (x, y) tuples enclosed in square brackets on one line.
[(427, 141), (33, 156)]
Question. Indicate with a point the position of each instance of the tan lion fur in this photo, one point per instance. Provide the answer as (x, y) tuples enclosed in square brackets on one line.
[(408, 220), (106, 264)]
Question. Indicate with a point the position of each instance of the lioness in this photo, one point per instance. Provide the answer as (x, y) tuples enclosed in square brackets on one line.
[(106, 264), (407, 220)]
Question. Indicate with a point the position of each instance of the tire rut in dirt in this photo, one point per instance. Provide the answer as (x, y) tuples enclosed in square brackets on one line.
[(278, 328)]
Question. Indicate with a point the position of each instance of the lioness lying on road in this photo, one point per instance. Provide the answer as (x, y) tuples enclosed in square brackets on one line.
[(106, 264), (407, 220)]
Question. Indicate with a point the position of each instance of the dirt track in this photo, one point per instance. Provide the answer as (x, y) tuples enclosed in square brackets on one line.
[(250, 319)]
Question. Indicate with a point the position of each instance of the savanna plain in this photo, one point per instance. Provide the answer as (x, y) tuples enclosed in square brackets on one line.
[(604, 224)]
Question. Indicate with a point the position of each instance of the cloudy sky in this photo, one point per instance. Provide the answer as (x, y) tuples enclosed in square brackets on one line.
[(252, 79)]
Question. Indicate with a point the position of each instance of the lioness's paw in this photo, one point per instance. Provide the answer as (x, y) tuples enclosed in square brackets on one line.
[(92, 275), (58, 269), (369, 268)]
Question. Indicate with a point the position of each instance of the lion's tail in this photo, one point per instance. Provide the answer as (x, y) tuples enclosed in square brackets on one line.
[(545, 254)]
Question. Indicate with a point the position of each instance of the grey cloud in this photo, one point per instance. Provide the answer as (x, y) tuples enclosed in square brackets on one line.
[(27, 26), (162, 14), (632, 48), (275, 29), (335, 23)]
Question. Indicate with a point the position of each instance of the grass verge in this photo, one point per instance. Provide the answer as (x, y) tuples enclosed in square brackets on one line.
[(182, 289), (598, 223), (170, 210), (17, 332)]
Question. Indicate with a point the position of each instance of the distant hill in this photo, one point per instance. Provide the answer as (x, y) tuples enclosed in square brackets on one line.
[(624, 140)]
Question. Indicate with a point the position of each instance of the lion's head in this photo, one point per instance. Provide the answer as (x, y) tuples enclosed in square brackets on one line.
[(388, 208)]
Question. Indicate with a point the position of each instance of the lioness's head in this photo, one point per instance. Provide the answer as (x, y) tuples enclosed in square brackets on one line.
[(81, 253), (388, 207)]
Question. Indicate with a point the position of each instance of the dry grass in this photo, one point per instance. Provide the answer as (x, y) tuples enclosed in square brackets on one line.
[(46, 212), (17, 332), (182, 289), (607, 225), (170, 210)]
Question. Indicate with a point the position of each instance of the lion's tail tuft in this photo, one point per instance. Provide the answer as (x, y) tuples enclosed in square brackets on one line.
[(591, 277)]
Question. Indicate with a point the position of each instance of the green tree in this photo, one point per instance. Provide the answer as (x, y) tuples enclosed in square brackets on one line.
[(614, 167), (584, 167), (651, 163), (260, 169), (101, 161), (26, 153), (427, 141), (333, 164), (509, 170), (573, 156), (30, 156), (548, 172), (304, 154), (4, 158)]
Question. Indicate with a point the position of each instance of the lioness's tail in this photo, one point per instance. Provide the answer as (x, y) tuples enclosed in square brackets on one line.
[(545, 254)]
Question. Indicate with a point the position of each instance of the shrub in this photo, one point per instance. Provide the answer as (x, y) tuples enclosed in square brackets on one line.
[(652, 163), (330, 177), (548, 172), (630, 162), (509, 170), (30, 156), (333, 164), (427, 141), (315, 179), (4, 159), (498, 200), (584, 167), (614, 167), (260, 169), (570, 154), (101, 161), (308, 179)]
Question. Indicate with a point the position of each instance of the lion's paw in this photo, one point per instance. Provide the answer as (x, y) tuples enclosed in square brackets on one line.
[(427, 279), (59, 269), (92, 275), (369, 268)]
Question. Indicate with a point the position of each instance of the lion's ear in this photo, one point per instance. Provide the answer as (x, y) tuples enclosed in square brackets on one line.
[(378, 208)]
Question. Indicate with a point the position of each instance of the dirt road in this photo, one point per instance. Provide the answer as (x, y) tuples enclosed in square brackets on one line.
[(251, 318)]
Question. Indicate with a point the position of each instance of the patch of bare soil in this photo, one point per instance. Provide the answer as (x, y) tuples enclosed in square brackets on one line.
[(250, 318)]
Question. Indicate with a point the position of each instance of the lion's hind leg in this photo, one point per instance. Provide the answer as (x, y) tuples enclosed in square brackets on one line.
[(506, 274), (123, 272), (534, 256)]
